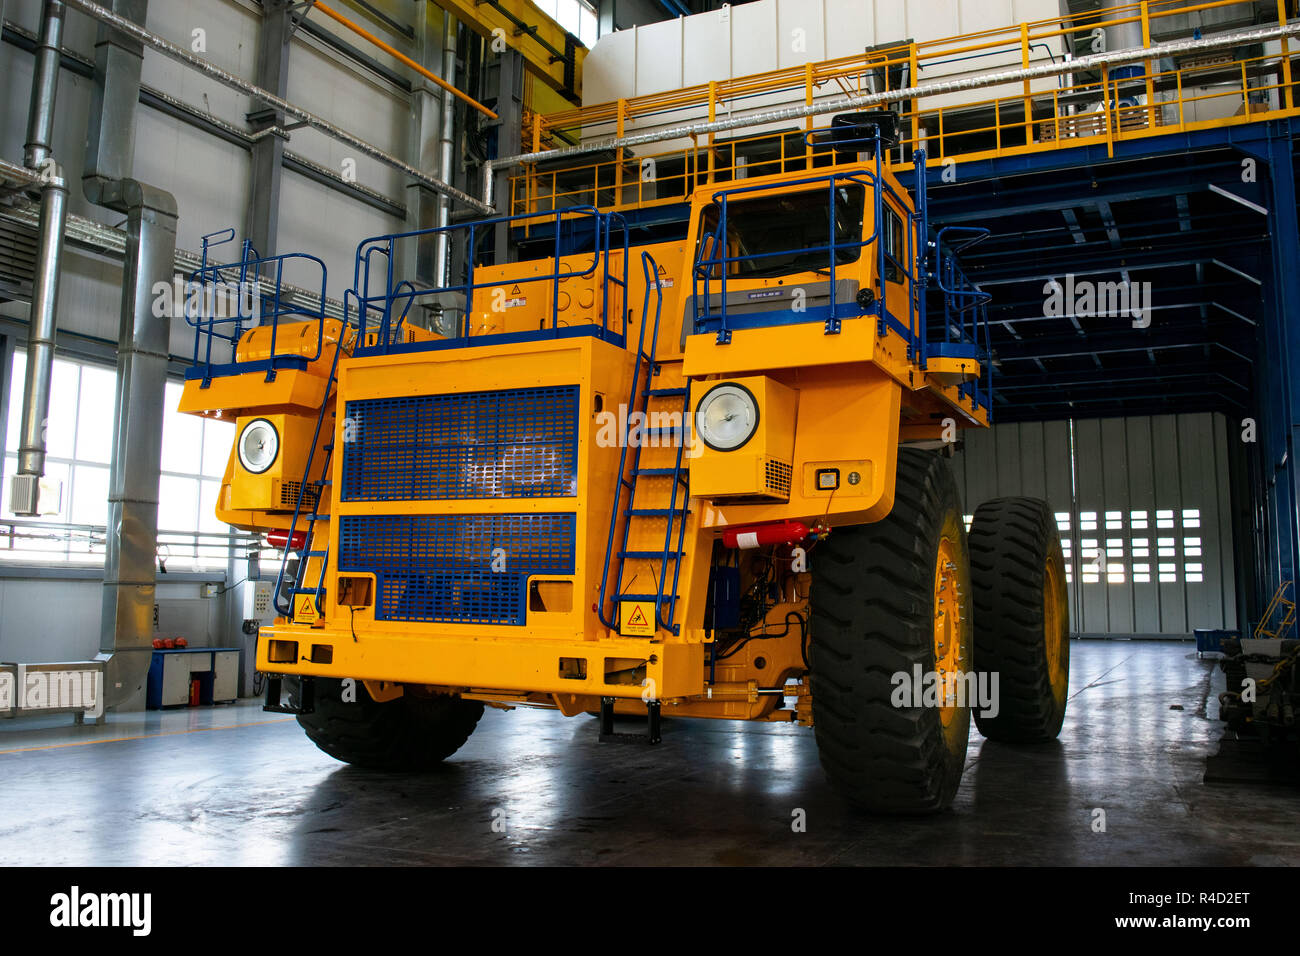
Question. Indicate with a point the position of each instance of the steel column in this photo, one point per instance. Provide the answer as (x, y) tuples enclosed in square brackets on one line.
[(510, 107), (266, 169)]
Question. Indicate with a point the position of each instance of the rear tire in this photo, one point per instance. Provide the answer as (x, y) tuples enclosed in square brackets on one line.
[(1022, 617), (414, 732), (876, 616)]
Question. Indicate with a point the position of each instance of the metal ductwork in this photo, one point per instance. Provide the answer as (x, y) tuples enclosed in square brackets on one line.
[(126, 631), (29, 493)]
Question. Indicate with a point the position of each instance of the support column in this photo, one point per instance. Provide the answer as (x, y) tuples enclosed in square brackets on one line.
[(418, 260), (510, 109), (1277, 395), (267, 159)]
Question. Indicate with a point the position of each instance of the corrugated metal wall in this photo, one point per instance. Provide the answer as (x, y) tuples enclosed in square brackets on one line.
[(1143, 507)]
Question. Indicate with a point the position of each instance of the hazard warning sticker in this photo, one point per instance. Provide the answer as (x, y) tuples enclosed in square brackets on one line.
[(664, 281), (304, 611), (636, 618), (517, 299)]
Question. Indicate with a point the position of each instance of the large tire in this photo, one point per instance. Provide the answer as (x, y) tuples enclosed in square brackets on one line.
[(875, 593), (414, 732), (1022, 618)]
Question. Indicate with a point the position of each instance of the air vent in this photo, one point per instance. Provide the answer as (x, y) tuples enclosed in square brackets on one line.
[(17, 261), (776, 478)]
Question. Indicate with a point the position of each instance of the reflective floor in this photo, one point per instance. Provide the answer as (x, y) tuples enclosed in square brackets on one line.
[(233, 785)]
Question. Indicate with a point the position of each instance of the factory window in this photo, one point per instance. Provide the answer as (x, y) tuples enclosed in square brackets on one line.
[(576, 16), (79, 446)]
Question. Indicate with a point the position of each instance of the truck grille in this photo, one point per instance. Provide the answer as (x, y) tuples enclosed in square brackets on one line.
[(465, 569), (515, 443)]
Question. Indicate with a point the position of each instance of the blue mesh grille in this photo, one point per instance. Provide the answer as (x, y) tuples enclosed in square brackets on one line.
[(517, 443), (439, 567)]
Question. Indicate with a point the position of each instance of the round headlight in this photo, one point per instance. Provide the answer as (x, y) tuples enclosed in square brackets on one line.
[(727, 417), (259, 443)]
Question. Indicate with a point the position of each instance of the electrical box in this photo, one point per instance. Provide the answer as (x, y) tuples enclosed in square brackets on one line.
[(258, 603)]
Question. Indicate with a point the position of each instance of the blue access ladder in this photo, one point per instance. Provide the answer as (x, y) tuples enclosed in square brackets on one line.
[(665, 482), (286, 598)]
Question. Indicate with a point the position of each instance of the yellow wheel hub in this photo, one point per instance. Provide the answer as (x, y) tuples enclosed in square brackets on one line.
[(1053, 621), (948, 629)]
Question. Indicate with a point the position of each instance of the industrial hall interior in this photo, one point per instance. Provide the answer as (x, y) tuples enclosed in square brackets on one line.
[(650, 433)]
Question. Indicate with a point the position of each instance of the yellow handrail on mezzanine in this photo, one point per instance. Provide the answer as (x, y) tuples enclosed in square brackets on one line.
[(1025, 122)]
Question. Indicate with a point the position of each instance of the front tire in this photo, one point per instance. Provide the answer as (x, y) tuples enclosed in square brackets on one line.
[(1022, 618), (891, 600), (415, 732)]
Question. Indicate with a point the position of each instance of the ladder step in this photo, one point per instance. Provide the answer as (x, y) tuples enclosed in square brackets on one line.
[(313, 554), (671, 555), (642, 597), (656, 472), (654, 512), (665, 392), (304, 590)]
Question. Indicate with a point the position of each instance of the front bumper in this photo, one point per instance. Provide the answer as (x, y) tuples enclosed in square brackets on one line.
[(607, 667)]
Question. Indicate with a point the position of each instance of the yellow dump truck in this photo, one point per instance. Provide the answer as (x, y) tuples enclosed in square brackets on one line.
[(695, 479)]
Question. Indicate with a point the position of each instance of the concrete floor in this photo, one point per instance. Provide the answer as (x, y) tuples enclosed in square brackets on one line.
[(235, 786)]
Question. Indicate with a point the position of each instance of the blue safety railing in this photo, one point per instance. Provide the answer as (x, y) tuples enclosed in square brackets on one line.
[(384, 303), (223, 301), (965, 326), (922, 263)]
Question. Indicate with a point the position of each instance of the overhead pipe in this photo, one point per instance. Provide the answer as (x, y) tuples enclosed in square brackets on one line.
[(174, 52), (25, 489), (980, 81), (401, 57)]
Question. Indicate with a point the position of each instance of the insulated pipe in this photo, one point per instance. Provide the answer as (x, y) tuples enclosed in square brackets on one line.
[(25, 489), (131, 541), (45, 85), (130, 546), (40, 335), (170, 50), (995, 78), (446, 134)]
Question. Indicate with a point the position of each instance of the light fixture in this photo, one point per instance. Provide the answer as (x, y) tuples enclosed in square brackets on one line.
[(259, 443), (727, 416)]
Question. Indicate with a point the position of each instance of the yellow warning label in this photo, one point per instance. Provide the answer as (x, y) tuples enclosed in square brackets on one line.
[(306, 609), (636, 618), (515, 291)]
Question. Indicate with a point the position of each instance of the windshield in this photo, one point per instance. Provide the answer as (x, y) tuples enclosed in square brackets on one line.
[(778, 235)]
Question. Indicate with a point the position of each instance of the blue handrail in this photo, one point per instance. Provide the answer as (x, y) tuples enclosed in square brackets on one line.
[(259, 301), (378, 296)]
